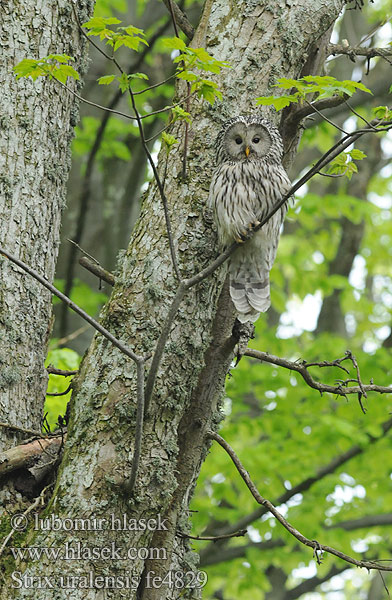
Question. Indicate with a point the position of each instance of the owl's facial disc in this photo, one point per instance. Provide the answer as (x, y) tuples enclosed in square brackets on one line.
[(247, 141)]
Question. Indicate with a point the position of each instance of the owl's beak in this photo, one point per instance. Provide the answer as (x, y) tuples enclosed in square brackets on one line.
[(247, 151)]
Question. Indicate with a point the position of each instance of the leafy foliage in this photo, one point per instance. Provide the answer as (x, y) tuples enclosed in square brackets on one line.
[(344, 163), (315, 87), (131, 37), (52, 66), (190, 60), (66, 360)]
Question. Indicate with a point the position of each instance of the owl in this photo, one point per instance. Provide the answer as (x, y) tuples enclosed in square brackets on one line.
[(249, 180)]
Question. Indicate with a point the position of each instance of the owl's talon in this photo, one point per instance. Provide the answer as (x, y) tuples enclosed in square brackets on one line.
[(247, 232)]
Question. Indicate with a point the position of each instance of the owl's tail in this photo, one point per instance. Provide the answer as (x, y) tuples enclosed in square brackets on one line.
[(249, 287)]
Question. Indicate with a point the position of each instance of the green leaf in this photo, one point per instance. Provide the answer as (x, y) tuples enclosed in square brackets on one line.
[(278, 102), (357, 154), (180, 113), (382, 112), (61, 58), (106, 79), (25, 68), (69, 71), (174, 43), (169, 141), (187, 76), (138, 76), (123, 82)]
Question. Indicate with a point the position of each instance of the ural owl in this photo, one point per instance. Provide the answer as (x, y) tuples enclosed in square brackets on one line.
[(248, 182)]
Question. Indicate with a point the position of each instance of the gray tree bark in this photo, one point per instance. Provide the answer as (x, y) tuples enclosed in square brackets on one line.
[(262, 42), (37, 121)]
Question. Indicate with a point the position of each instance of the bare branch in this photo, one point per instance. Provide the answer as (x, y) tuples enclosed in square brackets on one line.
[(302, 369), (130, 484), (180, 18), (97, 270), (318, 549), (334, 49), (69, 388), (26, 454), (215, 538), (313, 106), (23, 430), (368, 521), (39, 500), (53, 371)]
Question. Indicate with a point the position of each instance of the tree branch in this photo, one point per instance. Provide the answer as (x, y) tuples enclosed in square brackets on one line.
[(302, 369), (97, 270), (53, 371), (318, 549), (334, 49), (180, 18), (26, 454), (368, 521)]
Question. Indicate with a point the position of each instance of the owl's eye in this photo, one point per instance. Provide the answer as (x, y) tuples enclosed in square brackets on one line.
[(256, 140), (238, 140)]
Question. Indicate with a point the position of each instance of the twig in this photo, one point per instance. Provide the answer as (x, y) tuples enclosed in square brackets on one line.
[(71, 336), (214, 538), (138, 427), (83, 251), (97, 270), (181, 18), (313, 105), (69, 388), (162, 342), (302, 369), (53, 371), (358, 115), (333, 175), (122, 114), (318, 549)]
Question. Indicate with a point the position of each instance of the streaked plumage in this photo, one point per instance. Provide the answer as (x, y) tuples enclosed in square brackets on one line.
[(248, 181)]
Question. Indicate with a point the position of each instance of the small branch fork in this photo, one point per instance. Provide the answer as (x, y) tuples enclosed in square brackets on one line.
[(318, 549), (340, 389)]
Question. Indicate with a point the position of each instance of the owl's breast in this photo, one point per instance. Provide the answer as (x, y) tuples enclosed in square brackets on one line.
[(241, 193)]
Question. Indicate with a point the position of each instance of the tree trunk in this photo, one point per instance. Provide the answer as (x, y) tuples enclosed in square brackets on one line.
[(261, 44), (36, 130)]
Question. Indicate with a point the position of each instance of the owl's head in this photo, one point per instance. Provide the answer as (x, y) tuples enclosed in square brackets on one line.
[(249, 138)]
